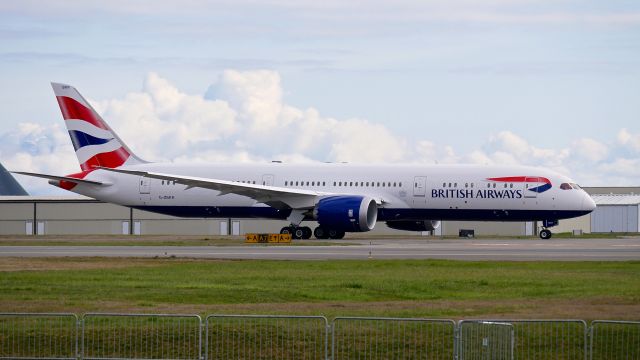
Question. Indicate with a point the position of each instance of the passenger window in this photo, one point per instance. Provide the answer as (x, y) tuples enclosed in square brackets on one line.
[(367, 183), (361, 183), (383, 184), (378, 185), (400, 184), (334, 183), (443, 184), (351, 183)]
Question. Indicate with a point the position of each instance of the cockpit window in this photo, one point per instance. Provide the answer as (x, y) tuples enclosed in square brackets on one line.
[(576, 186), (565, 186)]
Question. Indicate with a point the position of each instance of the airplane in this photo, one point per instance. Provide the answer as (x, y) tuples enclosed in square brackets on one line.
[(340, 197)]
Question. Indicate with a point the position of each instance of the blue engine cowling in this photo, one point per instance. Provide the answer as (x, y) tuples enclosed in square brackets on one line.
[(347, 213)]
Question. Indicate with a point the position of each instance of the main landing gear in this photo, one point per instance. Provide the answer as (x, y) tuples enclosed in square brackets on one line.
[(297, 232), (304, 232)]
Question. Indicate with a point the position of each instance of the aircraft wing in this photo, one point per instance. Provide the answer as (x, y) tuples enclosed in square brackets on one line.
[(61, 178), (277, 197)]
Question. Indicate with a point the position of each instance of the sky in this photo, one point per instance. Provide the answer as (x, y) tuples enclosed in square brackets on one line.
[(552, 83)]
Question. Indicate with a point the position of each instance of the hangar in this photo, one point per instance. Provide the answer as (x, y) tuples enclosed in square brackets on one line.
[(618, 211)]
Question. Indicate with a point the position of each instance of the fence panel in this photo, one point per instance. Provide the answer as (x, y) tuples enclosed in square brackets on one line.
[(266, 337), (392, 338), (549, 339), (615, 340), (483, 339), (141, 336), (38, 336)]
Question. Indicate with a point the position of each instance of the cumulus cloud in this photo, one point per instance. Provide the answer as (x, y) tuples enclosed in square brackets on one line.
[(34, 147), (242, 117), (629, 140)]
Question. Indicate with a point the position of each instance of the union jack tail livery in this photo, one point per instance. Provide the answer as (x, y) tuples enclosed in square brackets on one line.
[(95, 143)]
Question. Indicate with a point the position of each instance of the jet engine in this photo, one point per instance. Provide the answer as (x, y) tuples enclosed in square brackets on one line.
[(346, 213), (414, 225)]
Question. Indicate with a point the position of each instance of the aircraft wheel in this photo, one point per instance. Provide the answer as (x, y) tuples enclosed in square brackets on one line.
[(545, 234), (286, 230), (320, 233), (306, 232), (336, 234), (298, 233)]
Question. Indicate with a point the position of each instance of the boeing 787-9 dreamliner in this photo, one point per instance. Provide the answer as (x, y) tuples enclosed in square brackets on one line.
[(340, 197)]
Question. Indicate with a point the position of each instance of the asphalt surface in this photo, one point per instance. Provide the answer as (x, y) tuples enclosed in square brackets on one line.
[(460, 249)]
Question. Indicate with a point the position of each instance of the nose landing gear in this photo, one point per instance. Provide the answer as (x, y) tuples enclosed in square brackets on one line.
[(545, 234)]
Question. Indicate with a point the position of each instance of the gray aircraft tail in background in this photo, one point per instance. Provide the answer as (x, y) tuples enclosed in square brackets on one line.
[(9, 185)]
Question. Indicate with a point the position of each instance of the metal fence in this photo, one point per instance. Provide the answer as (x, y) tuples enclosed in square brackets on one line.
[(141, 336), (397, 338), (532, 339), (266, 337), (614, 340), (187, 337), (480, 340), (38, 336)]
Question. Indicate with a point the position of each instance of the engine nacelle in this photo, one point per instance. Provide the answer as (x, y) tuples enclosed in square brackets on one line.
[(414, 225), (347, 213)]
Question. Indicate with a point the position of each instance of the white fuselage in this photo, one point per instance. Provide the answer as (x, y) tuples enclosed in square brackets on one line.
[(434, 192)]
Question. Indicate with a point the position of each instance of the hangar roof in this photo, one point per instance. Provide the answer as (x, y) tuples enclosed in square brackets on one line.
[(616, 199)]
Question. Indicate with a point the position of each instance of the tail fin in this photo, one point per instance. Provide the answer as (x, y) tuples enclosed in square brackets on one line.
[(96, 144)]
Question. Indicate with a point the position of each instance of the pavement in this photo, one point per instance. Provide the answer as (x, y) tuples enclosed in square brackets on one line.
[(456, 249)]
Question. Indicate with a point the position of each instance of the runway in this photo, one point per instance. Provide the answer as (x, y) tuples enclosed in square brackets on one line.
[(458, 249)]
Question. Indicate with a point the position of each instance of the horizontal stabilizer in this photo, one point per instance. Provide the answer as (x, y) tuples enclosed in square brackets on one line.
[(61, 178)]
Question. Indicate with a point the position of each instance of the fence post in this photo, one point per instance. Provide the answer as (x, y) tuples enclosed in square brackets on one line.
[(456, 340)]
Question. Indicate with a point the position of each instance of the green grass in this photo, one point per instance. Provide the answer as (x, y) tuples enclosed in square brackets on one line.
[(155, 284)]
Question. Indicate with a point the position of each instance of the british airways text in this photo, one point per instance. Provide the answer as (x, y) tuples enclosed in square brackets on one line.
[(477, 194)]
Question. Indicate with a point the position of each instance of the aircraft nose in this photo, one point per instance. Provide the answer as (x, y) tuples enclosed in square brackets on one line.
[(588, 204)]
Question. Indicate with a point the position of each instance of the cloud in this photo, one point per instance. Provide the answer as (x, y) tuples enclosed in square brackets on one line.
[(589, 149), (33, 147), (242, 117), (629, 140)]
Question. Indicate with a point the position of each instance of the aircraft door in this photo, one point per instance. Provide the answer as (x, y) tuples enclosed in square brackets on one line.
[(531, 183), (267, 180), (145, 187), (420, 186)]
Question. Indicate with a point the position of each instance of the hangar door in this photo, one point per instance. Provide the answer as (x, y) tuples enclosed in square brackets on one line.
[(614, 218)]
